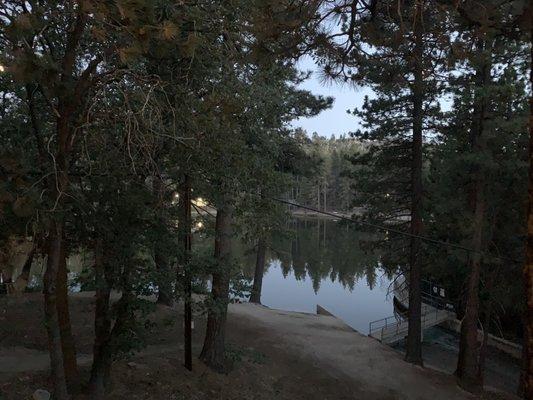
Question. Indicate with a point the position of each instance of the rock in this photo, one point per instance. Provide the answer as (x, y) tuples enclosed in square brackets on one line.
[(133, 365), (41, 394)]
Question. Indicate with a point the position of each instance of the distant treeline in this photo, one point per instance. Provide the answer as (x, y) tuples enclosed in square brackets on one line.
[(328, 183)]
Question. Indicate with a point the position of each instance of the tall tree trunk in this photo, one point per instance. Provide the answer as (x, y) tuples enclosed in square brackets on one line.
[(50, 311), (70, 103), (55, 282), (101, 366), (414, 335), (105, 336), (468, 360), (67, 340), (528, 265), (484, 345), (185, 227), (214, 343), (255, 296)]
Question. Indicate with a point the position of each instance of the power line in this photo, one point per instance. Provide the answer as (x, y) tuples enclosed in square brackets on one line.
[(389, 229), (385, 229)]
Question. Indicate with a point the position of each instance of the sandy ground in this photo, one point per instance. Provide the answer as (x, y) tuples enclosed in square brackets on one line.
[(376, 370), (275, 355)]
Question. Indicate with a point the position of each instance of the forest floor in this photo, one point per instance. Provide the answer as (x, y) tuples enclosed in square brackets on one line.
[(274, 355)]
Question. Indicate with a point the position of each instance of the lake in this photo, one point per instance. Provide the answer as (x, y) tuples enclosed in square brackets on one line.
[(327, 263), (318, 262)]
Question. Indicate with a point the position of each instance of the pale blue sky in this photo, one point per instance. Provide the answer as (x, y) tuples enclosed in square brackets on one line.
[(336, 120)]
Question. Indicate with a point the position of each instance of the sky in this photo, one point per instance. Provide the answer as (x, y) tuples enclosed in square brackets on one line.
[(336, 120)]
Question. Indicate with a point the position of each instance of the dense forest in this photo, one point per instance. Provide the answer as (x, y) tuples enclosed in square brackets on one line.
[(326, 185), (130, 128)]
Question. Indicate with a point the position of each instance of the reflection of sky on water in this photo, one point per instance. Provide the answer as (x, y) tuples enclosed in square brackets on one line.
[(357, 308)]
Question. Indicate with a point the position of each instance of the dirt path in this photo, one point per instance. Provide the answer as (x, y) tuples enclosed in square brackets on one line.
[(277, 354), (377, 370), (14, 360)]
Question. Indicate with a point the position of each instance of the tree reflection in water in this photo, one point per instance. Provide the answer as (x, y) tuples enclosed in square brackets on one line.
[(328, 263)]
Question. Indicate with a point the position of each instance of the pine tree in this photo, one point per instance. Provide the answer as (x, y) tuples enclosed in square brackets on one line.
[(503, 166), (488, 93), (403, 68)]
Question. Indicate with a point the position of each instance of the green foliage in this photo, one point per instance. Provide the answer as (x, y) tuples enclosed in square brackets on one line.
[(382, 174), (504, 162), (106, 106), (454, 58), (325, 183)]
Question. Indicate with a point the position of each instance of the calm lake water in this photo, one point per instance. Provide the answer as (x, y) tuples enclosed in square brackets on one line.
[(319, 262), (330, 264)]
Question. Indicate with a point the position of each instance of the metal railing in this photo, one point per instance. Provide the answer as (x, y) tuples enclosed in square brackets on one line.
[(434, 309)]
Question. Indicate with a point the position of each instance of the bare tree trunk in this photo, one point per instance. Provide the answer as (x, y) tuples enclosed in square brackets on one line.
[(214, 343), (105, 335), (67, 340), (468, 361), (55, 282), (70, 104), (51, 314), (164, 287), (528, 265), (101, 366), (185, 226), (255, 296), (414, 335)]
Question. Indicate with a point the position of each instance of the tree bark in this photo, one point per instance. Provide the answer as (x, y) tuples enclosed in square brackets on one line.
[(468, 360), (71, 100), (55, 283), (67, 340), (528, 265), (255, 296), (214, 344), (185, 227), (105, 335), (101, 366), (51, 314), (414, 335), (164, 288)]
